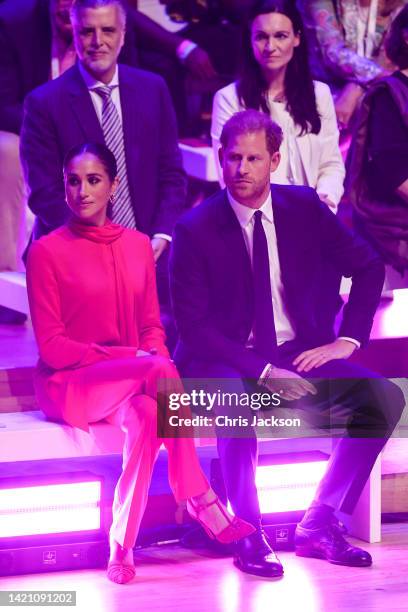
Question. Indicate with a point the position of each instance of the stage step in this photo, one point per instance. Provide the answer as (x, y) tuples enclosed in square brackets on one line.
[(13, 291), (17, 395), (394, 485), (394, 493)]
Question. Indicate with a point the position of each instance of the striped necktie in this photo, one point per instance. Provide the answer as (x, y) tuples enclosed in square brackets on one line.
[(264, 333), (112, 130)]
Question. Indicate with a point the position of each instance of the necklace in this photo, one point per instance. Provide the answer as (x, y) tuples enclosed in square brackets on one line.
[(278, 97)]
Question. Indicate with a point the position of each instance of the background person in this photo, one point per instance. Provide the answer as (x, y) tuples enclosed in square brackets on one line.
[(377, 182), (347, 46), (275, 78)]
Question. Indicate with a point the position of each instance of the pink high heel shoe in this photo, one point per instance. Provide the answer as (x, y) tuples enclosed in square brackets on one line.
[(235, 528), (119, 569), (120, 572)]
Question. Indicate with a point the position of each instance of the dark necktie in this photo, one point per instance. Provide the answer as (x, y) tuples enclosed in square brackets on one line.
[(264, 329), (113, 134)]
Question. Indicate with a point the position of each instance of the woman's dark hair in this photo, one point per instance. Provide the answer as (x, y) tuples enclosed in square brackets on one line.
[(101, 151), (299, 88), (396, 43)]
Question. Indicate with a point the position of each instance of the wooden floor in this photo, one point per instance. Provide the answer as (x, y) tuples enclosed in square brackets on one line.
[(171, 578)]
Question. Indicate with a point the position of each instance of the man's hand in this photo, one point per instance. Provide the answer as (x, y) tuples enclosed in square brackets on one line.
[(289, 385), (346, 104), (199, 64), (339, 349), (158, 246)]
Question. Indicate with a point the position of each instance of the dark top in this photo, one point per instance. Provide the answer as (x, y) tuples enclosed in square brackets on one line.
[(387, 145)]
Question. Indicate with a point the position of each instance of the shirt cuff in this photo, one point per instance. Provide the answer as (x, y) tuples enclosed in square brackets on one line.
[(353, 340), (184, 49), (263, 373), (165, 236)]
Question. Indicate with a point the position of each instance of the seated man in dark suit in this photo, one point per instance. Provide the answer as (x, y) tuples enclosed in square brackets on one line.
[(246, 271)]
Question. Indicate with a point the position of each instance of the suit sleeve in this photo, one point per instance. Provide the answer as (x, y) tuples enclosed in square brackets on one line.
[(171, 176), (42, 162), (387, 142), (190, 292), (354, 259), (56, 348)]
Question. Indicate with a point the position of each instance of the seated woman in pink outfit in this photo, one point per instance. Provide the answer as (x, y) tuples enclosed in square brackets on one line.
[(92, 293)]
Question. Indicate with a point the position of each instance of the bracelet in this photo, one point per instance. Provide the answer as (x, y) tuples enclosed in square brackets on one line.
[(184, 49), (265, 377)]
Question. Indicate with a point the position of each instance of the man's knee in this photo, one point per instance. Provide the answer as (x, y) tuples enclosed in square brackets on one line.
[(396, 403), (390, 402)]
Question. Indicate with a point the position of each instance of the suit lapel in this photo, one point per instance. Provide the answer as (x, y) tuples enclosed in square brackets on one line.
[(232, 235), (289, 243), (294, 248), (83, 108)]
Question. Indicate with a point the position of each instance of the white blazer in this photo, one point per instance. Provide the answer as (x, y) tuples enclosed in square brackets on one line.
[(320, 155)]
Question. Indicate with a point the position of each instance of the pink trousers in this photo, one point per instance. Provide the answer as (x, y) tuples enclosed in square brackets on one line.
[(123, 391)]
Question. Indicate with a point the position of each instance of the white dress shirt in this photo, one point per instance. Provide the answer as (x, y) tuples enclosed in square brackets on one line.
[(97, 100)]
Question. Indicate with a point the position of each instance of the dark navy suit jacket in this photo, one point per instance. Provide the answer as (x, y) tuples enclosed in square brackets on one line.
[(60, 114), (211, 278)]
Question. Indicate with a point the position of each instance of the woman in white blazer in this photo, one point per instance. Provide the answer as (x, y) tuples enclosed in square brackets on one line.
[(276, 79)]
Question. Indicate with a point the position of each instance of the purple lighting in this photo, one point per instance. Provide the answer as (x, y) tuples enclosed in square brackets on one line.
[(50, 508), (287, 482), (288, 487)]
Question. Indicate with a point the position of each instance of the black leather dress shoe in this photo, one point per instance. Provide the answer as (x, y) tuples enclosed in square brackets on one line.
[(328, 543), (254, 556)]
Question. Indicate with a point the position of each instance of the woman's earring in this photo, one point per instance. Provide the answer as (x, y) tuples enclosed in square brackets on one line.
[(111, 204)]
